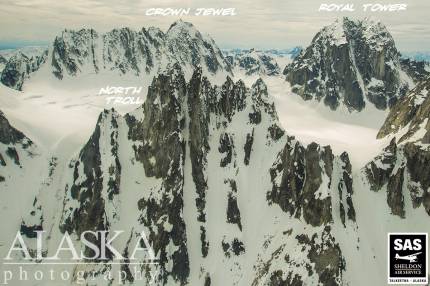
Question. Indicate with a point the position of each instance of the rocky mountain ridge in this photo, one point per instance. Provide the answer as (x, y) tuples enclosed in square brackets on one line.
[(403, 166), (121, 51), (254, 62), (168, 150)]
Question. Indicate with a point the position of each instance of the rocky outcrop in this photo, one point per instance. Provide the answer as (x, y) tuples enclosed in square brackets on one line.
[(320, 263), (349, 62), (13, 145), (19, 67), (296, 193), (410, 116), (3, 62), (92, 201), (417, 70), (401, 170), (310, 184), (8, 133), (126, 51), (254, 62), (90, 192), (402, 166), (162, 155), (302, 179)]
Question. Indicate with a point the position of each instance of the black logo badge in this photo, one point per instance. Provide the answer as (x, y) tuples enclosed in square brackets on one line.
[(407, 258)]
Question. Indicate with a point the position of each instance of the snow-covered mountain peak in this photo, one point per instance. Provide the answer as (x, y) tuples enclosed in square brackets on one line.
[(181, 28), (126, 52), (188, 46), (351, 63)]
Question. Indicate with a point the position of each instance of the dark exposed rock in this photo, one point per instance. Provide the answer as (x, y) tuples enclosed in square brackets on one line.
[(19, 67), (346, 62), (413, 109), (13, 154), (203, 241), (248, 147), (199, 146), (234, 247), (226, 147), (162, 155), (327, 257), (321, 258), (276, 279), (135, 52), (30, 231), (417, 70), (255, 62), (391, 168), (3, 60), (91, 213), (255, 117), (232, 98), (275, 132), (403, 165), (395, 198), (8, 134), (296, 192), (345, 189), (2, 161), (27, 228), (207, 281), (233, 212), (71, 50), (378, 176)]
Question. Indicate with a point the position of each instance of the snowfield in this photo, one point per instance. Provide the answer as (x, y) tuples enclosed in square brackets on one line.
[(58, 114)]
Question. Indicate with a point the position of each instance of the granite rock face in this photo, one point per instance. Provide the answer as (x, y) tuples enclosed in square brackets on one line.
[(417, 70), (401, 170), (126, 51), (14, 145), (254, 62), (8, 133), (19, 67), (147, 51), (348, 63), (410, 114), (402, 166), (136, 171), (312, 185)]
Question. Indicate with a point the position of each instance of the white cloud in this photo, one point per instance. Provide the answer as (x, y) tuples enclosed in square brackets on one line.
[(261, 23)]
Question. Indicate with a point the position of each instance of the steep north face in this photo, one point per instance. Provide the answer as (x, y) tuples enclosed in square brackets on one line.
[(348, 63)]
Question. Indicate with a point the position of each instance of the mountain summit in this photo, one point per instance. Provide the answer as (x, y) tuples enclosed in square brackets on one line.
[(350, 62)]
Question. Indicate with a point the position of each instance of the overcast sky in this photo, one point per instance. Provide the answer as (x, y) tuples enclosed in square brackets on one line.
[(259, 24)]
